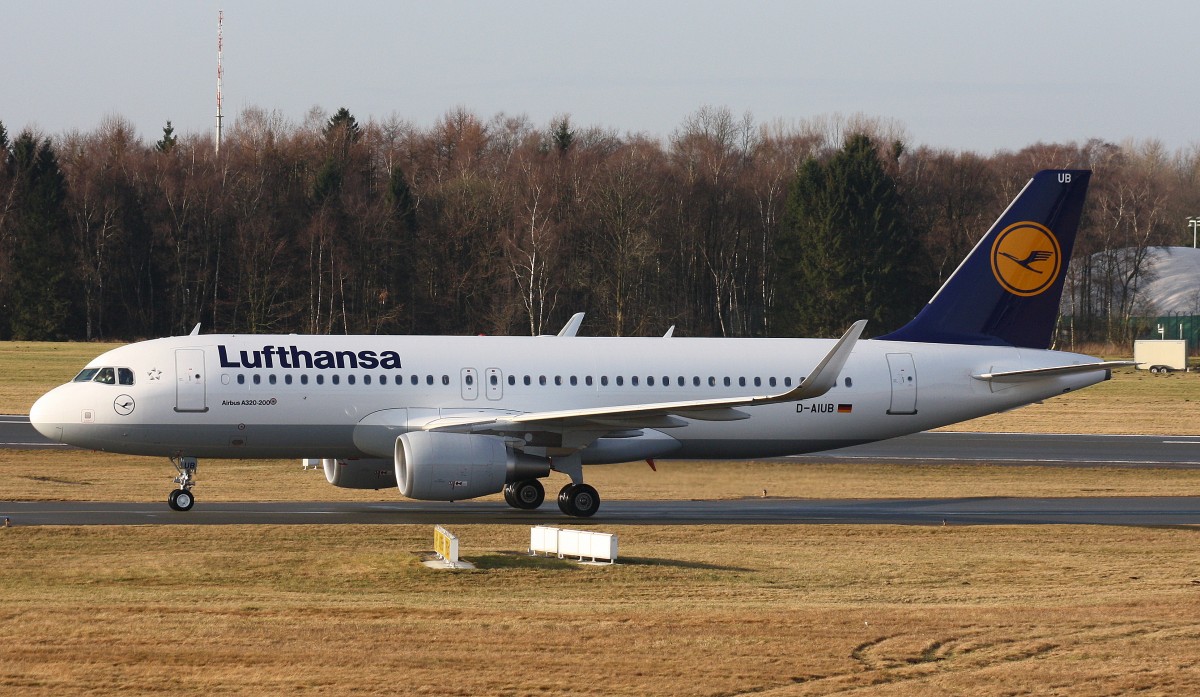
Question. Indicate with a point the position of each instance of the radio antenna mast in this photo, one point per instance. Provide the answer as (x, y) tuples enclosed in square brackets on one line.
[(220, 72)]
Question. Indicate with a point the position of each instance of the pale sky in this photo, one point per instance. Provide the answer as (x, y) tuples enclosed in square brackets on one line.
[(979, 76)]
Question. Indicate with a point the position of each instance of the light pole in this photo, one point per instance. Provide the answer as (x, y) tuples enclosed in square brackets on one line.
[(1194, 223)]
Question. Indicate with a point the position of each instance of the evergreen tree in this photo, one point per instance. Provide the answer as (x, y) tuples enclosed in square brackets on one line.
[(342, 131), (563, 135), (167, 143), (41, 303), (847, 250)]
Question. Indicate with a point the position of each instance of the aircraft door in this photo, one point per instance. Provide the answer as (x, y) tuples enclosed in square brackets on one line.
[(904, 383), (495, 384), (189, 380), (470, 384)]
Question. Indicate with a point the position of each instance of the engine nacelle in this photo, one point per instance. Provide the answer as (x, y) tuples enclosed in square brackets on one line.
[(456, 466), (360, 474)]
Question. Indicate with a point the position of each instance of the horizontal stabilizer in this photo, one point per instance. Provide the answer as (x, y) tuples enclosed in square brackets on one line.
[(1041, 373)]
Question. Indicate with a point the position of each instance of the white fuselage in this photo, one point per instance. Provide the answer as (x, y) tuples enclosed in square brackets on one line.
[(293, 396)]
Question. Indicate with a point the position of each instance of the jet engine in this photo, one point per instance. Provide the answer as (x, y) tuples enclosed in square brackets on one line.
[(360, 474), (455, 466)]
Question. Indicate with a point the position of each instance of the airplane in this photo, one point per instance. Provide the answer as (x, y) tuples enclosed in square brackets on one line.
[(448, 418)]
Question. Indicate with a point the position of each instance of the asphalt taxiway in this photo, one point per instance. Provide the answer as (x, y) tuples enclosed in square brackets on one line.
[(1140, 511)]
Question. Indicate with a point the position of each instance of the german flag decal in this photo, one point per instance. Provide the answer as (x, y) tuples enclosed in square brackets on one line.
[(845, 408)]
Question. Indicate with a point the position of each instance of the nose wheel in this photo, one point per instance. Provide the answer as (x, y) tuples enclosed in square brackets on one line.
[(181, 499)]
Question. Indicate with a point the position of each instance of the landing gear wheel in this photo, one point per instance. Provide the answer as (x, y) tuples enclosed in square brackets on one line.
[(579, 500), (527, 494), (184, 500), (181, 499), (508, 495)]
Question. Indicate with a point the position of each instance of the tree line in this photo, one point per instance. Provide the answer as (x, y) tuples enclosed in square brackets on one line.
[(501, 226)]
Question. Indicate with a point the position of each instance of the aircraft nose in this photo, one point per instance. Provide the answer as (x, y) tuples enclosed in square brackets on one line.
[(43, 415)]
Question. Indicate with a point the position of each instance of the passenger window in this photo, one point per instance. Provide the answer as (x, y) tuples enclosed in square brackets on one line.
[(382, 379), (288, 378), (241, 379), (558, 380), (741, 382), (666, 381), (86, 375), (469, 379), (445, 379), (758, 382), (574, 381), (620, 381), (428, 379), (336, 379), (633, 381), (271, 378), (727, 381), (588, 380), (349, 379), (695, 380), (604, 381), (650, 381), (542, 380), (125, 376), (257, 379), (527, 380), (304, 379), (320, 379), (712, 381), (512, 379), (494, 380), (787, 382), (681, 382), (414, 380), (771, 382), (849, 382)]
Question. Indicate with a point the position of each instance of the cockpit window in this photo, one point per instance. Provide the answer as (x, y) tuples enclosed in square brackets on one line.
[(86, 375), (106, 376)]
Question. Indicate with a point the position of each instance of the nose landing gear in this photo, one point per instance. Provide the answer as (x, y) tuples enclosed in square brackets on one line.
[(181, 499)]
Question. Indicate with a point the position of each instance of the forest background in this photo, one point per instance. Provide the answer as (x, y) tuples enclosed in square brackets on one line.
[(726, 228)]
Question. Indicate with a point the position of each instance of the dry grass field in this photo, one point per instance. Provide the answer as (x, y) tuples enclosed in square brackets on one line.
[(690, 610), (712, 610)]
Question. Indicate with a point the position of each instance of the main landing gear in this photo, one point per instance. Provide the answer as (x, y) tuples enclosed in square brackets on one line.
[(181, 499), (579, 500), (526, 494), (576, 500)]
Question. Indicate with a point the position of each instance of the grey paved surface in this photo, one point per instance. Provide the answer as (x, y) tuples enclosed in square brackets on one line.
[(968, 511)]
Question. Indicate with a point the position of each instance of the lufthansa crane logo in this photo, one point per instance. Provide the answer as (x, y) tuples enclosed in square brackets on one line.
[(1026, 258), (123, 405)]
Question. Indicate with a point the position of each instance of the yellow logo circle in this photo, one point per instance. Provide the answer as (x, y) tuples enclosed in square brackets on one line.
[(1026, 258)]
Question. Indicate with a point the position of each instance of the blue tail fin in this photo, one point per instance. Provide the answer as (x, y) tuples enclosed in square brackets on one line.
[(1007, 290)]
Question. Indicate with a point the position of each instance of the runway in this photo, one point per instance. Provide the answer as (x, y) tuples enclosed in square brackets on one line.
[(1137, 511)]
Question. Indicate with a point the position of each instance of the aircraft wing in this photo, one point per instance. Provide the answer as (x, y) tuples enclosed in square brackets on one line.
[(662, 414), (1039, 373)]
